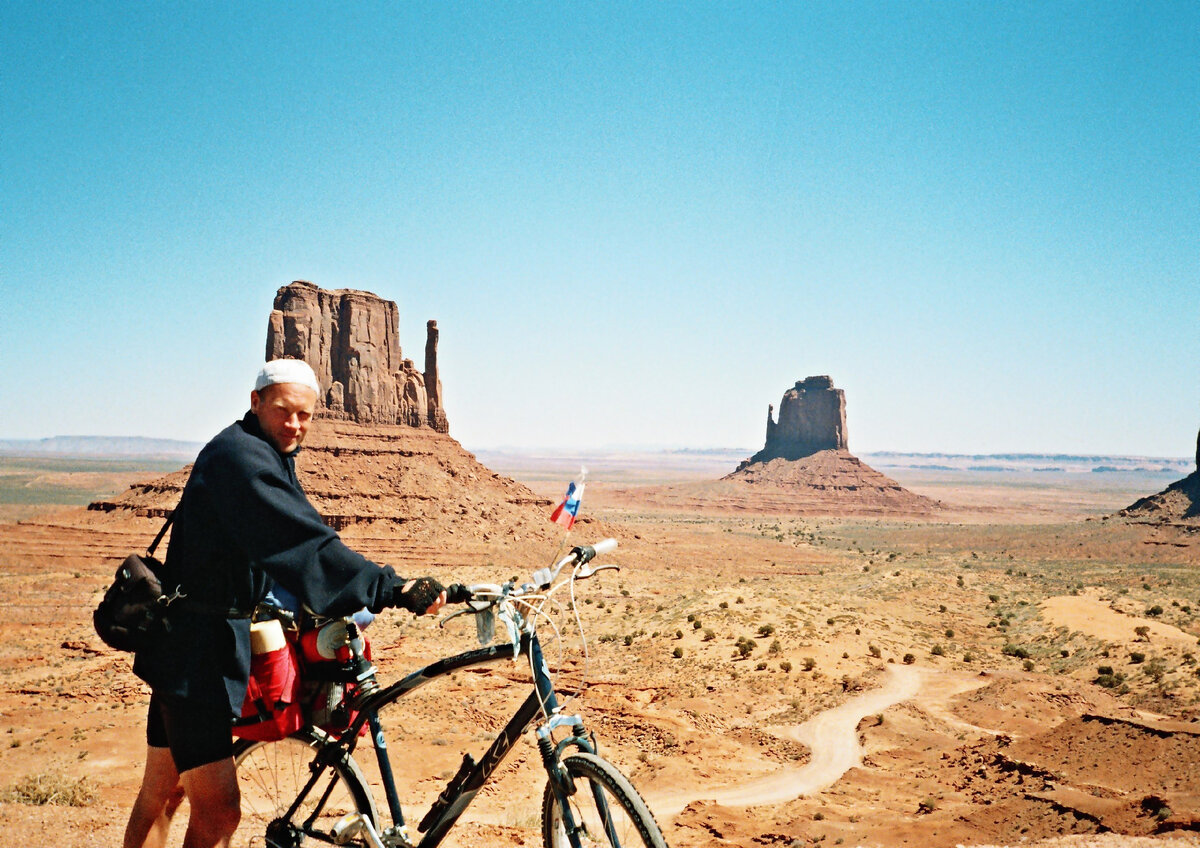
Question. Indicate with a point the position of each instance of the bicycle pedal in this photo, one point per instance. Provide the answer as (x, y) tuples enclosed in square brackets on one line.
[(348, 827)]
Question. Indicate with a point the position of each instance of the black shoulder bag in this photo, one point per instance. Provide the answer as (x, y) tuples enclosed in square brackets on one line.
[(133, 611)]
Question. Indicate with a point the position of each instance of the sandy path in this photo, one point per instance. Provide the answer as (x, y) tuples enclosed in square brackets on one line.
[(832, 738), (1088, 614)]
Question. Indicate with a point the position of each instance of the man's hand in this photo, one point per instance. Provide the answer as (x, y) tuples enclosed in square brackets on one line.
[(422, 596)]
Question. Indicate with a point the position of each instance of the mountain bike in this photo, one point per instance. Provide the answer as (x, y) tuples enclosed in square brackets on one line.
[(308, 790)]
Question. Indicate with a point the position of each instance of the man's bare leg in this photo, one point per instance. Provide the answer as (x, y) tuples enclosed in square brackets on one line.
[(157, 801), (212, 791)]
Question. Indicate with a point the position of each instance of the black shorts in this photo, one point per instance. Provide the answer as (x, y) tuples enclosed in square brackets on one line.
[(196, 735)]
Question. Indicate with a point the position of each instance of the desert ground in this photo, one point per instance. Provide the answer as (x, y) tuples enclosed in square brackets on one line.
[(1019, 669)]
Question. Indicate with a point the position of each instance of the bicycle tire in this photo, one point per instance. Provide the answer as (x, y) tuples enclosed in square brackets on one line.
[(270, 776), (596, 780)]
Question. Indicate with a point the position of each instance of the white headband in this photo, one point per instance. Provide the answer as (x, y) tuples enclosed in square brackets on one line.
[(287, 371)]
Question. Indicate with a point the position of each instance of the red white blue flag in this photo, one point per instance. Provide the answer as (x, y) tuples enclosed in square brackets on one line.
[(569, 508)]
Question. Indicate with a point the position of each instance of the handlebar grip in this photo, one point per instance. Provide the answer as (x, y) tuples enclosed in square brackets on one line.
[(457, 593), (586, 553)]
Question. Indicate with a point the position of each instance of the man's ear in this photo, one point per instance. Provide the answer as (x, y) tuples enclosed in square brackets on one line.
[(255, 402)]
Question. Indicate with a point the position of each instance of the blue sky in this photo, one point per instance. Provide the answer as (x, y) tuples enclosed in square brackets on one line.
[(636, 224)]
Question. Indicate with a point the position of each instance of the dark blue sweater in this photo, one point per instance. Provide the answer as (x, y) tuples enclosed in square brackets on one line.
[(242, 522)]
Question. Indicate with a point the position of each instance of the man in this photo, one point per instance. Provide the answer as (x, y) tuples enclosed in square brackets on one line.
[(242, 525)]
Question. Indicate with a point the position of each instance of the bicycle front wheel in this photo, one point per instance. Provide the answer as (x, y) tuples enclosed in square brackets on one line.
[(270, 777), (606, 809)]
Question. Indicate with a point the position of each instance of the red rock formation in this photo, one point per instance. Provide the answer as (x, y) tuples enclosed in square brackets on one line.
[(812, 417), (380, 461), (351, 339), (805, 467)]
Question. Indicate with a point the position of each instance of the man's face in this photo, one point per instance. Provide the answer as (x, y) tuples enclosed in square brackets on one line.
[(284, 412)]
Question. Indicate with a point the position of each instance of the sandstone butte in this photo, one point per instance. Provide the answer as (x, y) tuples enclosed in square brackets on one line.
[(804, 468), (379, 459), (806, 460)]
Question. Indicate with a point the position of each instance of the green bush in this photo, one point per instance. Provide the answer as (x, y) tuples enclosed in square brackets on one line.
[(1137, 657), (677, 653), (909, 659)]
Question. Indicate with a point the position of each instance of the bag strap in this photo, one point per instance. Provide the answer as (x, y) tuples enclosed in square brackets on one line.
[(196, 606), (161, 533)]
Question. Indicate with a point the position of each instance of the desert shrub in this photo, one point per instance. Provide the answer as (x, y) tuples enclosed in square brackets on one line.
[(1064, 653), (995, 599), (696, 625), (938, 651), (762, 666), (745, 646), (1110, 680), (1155, 610), (1137, 657), (724, 604), (830, 621), (1156, 669), (1104, 669), (818, 816), (739, 600), (909, 659), (949, 633), (776, 647), (927, 805), (677, 653), (960, 581), (874, 651), (1142, 632), (678, 634), (1027, 665), (810, 663), (709, 635), (968, 657), (628, 640), (765, 630), (691, 616), (50, 788), (1015, 651), (785, 666)]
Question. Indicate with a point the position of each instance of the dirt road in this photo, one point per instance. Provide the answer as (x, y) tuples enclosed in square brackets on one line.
[(832, 738)]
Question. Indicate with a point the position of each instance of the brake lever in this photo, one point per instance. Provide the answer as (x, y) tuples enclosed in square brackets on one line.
[(588, 570)]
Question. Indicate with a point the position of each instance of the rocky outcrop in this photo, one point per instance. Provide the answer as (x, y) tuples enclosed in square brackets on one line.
[(1179, 503), (351, 340), (812, 417), (380, 464), (806, 468)]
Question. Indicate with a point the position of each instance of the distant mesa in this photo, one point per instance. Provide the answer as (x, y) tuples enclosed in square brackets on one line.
[(381, 457), (806, 456), (1179, 503)]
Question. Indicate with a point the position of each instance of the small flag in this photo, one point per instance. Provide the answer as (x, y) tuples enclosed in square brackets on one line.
[(569, 508)]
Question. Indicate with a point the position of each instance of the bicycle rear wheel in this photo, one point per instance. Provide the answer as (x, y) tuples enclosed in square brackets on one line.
[(271, 775), (606, 808)]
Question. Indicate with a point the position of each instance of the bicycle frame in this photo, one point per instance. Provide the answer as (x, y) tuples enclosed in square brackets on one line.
[(471, 775)]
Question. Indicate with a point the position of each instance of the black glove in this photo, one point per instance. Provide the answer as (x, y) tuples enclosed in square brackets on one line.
[(419, 596), (457, 593)]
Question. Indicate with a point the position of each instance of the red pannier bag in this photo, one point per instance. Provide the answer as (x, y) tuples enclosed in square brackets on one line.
[(328, 682), (272, 710)]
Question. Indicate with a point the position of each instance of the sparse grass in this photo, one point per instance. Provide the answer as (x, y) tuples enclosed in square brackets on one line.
[(50, 788)]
